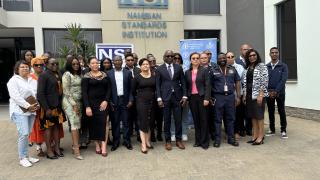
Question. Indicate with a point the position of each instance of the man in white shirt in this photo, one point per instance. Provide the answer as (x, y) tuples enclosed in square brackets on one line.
[(121, 100)]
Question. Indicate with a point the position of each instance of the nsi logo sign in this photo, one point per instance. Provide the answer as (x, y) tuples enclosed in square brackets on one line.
[(110, 50), (163, 4)]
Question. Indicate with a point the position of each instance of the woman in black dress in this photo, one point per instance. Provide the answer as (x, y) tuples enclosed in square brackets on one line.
[(143, 88), (96, 91)]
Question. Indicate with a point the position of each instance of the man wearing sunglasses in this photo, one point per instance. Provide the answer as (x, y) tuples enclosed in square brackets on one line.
[(171, 95), (239, 128), (132, 111)]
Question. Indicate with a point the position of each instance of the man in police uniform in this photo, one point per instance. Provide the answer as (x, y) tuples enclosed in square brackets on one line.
[(225, 80)]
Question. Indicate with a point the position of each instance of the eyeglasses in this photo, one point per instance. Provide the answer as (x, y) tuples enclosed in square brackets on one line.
[(24, 67), (177, 58), (252, 55), (130, 59), (230, 57), (209, 54), (54, 64), (170, 56), (38, 65)]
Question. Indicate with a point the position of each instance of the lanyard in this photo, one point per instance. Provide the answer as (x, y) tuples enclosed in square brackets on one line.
[(224, 75)]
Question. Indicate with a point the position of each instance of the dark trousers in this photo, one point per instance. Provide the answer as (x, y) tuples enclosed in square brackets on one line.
[(240, 117), (225, 109), (120, 113), (172, 106), (211, 117), (158, 120), (133, 121), (281, 110), (200, 119)]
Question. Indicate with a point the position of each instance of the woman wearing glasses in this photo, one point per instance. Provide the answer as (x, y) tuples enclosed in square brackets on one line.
[(71, 103), (37, 134), (255, 90), (50, 98), (22, 112)]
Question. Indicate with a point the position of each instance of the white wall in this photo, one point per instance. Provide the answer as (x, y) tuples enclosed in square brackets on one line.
[(208, 22), (3, 17), (305, 92), (39, 20)]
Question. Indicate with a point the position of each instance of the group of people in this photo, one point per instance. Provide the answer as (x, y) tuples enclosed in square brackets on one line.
[(141, 97)]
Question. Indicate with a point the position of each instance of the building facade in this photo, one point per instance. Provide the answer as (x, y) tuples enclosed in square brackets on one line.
[(154, 26)]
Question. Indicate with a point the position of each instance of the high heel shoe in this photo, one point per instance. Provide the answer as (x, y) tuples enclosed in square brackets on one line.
[(98, 152), (252, 141), (52, 157), (59, 154), (76, 152), (150, 147), (258, 143), (144, 152)]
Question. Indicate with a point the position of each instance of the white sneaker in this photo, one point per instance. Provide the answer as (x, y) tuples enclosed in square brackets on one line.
[(173, 138), (184, 137), (25, 163), (284, 135), (33, 160)]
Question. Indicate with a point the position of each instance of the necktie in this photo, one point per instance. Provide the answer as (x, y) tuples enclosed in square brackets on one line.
[(169, 71)]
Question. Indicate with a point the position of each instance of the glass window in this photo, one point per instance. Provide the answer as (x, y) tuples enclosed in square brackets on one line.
[(201, 34), (201, 6), (54, 39), (72, 6), (17, 5), (287, 36)]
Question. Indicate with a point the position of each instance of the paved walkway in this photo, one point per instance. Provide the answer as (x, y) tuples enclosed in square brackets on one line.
[(295, 158)]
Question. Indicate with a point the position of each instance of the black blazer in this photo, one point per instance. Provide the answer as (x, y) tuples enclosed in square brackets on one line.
[(164, 83), (47, 92), (136, 70), (202, 83), (127, 77)]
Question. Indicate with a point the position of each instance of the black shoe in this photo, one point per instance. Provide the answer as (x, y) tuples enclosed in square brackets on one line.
[(251, 141), (138, 138), (234, 143), (114, 147), (150, 147), (30, 144), (58, 154), (128, 146), (52, 157), (205, 147), (216, 145), (196, 145), (159, 138), (258, 143)]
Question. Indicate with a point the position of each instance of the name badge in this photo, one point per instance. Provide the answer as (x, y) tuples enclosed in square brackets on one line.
[(231, 71)]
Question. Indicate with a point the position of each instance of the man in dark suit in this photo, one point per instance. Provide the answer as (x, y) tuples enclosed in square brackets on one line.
[(120, 102), (171, 94), (241, 60), (132, 112)]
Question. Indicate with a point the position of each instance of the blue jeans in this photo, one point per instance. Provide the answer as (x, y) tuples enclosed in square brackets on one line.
[(24, 125), (185, 121)]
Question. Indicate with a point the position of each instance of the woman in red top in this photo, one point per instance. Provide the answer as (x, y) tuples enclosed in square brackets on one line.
[(37, 134)]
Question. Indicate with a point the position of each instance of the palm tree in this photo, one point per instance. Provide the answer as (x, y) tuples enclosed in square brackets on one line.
[(75, 35)]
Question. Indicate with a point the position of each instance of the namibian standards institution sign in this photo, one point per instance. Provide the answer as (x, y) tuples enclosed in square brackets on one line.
[(158, 4)]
